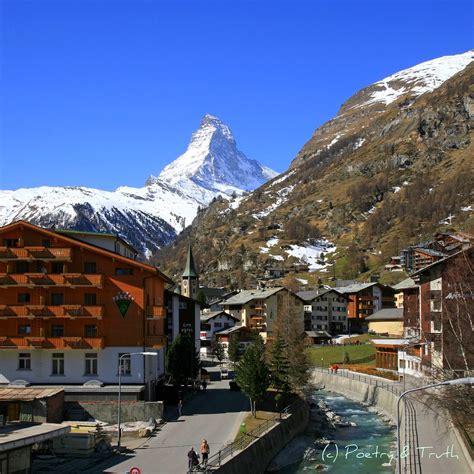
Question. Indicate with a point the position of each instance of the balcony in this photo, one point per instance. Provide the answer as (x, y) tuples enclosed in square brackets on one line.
[(32, 342), (35, 253), (155, 341), (42, 280), (155, 312), (42, 311)]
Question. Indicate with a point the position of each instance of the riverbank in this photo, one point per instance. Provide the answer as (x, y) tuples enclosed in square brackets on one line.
[(429, 442)]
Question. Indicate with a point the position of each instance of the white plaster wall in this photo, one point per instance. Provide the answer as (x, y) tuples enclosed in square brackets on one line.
[(74, 366)]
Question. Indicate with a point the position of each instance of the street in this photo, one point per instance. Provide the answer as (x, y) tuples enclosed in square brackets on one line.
[(214, 415)]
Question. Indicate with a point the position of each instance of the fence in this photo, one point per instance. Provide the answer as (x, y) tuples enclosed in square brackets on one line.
[(235, 447), (389, 386)]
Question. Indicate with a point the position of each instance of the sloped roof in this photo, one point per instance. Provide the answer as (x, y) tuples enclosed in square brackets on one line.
[(248, 295), (405, 284), (387, 314), (311, 295), (26, 394), (318, 334), (355, 288), (87, 245), (214, 314)]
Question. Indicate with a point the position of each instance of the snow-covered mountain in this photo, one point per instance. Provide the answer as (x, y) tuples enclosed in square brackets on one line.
[(212, 161), (350, 127), (151, 216)]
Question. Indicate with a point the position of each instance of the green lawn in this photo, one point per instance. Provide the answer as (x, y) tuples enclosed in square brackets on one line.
[(325, 355)]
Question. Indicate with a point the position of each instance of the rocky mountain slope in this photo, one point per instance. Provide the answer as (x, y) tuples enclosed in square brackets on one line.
[(393, 166), (151, 216)]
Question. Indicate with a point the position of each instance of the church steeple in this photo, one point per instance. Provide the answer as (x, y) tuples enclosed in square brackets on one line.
[(190, 277)]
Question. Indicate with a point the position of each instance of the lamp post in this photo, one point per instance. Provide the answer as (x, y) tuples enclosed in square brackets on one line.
[(128, 354), (463, 381)]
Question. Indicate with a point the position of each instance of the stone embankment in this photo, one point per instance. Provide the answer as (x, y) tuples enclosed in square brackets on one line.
[(429, 441), (258, 454)]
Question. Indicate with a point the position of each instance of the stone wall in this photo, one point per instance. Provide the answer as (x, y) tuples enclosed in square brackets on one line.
[(107, 410), (256, 457)]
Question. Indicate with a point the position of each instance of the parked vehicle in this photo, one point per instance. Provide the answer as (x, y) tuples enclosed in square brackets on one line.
[(224, 374)]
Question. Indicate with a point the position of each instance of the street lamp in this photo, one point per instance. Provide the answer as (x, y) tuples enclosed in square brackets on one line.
[(128, 354), (463, 381)]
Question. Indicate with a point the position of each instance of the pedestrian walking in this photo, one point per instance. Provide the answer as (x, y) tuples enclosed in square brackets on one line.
[(193, 459), (180, 408), (204, 452)]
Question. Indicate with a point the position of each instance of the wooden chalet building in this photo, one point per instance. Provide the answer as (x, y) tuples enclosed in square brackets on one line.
[(365, 299), (69, 308)]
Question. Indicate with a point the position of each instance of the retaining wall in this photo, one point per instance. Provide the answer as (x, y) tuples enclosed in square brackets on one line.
[(107, 410), (258, 455), (359, 391), (444, 450)]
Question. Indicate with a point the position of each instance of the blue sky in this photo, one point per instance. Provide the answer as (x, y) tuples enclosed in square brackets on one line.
[(103, 93)]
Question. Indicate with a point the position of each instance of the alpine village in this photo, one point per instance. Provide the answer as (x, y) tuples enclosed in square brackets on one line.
[(295, 321)]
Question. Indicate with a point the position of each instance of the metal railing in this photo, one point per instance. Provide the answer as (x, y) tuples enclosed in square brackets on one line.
[(215, 461), (370, 380)]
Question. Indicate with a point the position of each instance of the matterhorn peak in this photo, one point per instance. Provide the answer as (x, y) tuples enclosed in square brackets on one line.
[(213, 161)]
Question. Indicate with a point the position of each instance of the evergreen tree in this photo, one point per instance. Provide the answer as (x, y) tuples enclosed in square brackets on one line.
[(298, 372), (252, 373), (182, 360), (233, 349), (219, 352), (279, 367)]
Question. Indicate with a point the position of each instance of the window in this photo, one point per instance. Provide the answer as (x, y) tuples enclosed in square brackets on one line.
[(24, 298), (90, 267), (90, 330), (125, 364), (10, 242), (46, 243), (124, 271), (91, 364), (24, 329), (22, 267), (90, 299), (57, 330), (217, 325), (57, 267), (57, 364), (57, 299), (24, 361)]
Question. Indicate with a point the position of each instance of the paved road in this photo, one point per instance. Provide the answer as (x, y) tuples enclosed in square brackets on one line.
[(215, 415)]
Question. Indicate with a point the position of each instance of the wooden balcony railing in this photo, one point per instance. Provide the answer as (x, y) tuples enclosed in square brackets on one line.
[(35, 253), (155, 312), (42, 311), (45, 280), (33, 342)]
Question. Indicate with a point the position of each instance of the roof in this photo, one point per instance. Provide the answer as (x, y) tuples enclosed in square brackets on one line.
[(26, 394), (248, 295), (405, 284), (433, 253), (355, 288), (227, 331), (311, 295), (214, 314), (99, 234), (387, 314), (390, 342), (16, 436), (318, 334), (88, 246), (190, 270)]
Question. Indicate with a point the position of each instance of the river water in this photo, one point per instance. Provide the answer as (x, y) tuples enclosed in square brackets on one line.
[(364, 448)]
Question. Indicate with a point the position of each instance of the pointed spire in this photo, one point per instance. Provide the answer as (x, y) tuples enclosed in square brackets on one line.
[(190, 269)]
